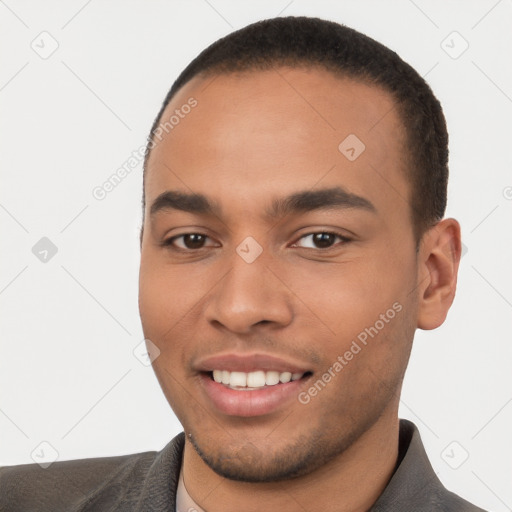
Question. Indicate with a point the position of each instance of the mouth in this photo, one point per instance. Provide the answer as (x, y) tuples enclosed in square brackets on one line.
[(259, 379), (254, 393), (250, 384)]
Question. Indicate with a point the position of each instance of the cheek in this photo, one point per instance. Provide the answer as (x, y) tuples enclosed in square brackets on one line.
[(161, 309), (351, 296), (165, 296), (170, 302), (169, 288)]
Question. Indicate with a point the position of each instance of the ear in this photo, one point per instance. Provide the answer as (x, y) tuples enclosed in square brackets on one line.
[(438, 264)]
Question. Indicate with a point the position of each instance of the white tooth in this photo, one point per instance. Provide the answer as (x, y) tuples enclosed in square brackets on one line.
[(225, 377), (285, 377), (296, 376), (271, 378), (256, 379), (238, 379), (217, 375)]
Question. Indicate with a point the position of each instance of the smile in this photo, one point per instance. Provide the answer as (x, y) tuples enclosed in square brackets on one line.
[(253, 380)]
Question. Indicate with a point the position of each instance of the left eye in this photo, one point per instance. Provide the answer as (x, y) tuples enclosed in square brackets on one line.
[(320, 240)]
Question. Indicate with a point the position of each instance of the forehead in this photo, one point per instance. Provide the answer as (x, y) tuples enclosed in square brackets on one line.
[(261, 133)]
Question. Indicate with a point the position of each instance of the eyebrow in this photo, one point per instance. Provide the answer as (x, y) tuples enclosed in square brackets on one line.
[(192, 203), (323, 199), (299, 202)]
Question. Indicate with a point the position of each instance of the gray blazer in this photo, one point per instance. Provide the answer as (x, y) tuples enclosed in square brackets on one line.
[(147, 482)]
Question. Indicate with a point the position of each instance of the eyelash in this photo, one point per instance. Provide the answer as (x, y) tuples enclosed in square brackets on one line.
[(344, 239)]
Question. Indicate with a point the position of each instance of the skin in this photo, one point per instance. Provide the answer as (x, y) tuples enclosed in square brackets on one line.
[(254, 137)]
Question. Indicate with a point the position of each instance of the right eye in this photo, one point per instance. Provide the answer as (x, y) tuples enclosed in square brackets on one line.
[(187, 241)]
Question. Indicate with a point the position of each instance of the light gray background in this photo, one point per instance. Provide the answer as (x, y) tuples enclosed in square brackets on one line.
[(68, 374)]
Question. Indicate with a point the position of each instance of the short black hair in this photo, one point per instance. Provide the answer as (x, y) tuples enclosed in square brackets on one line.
[(304, 41)]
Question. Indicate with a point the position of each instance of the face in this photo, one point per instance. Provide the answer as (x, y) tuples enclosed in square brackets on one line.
[(271, 249)]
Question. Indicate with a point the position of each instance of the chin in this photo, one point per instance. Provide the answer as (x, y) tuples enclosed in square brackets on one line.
[(251, 464)]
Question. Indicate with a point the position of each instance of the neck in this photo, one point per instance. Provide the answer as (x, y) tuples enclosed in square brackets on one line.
[(351, 482)]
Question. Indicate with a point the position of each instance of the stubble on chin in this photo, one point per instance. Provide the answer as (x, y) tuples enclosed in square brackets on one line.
[(271, 461)]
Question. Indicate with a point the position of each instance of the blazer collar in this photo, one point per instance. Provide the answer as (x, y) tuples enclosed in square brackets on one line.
[(413, 481)]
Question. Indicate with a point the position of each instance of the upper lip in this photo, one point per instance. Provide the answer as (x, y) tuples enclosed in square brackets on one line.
[(248, 363)]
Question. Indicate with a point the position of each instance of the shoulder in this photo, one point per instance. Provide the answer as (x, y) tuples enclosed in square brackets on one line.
[(65, 484), (414, 484), (451, 502)]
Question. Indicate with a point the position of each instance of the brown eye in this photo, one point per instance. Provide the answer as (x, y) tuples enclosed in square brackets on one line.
[(194, 241), (321, 240), (188, 241)]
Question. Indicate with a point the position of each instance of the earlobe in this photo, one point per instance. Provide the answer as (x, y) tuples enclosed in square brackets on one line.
[(438, 261)]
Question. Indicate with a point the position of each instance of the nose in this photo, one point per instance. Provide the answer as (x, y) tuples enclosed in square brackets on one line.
[(249, 295)]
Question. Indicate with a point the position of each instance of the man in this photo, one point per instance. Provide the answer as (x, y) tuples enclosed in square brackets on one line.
[(293, 240)]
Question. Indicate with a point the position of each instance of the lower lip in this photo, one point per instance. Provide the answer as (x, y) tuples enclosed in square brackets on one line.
[(250, 403)]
